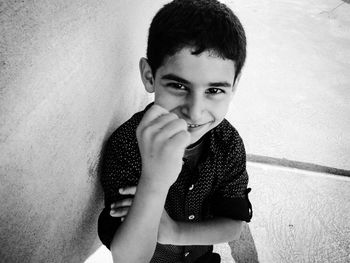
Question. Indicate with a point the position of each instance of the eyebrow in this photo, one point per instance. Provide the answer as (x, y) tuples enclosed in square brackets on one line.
[(224, 84), (174, 77)]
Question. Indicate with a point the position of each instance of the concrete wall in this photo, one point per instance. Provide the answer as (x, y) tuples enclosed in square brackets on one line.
[(69, 76)]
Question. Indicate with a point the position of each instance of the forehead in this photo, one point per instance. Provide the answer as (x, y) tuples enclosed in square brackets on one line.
[(205, 66)]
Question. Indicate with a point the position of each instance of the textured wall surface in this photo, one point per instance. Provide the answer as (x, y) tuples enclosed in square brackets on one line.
[(68, 77)]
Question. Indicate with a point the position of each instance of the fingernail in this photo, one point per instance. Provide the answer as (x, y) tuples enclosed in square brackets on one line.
[(122, 219)]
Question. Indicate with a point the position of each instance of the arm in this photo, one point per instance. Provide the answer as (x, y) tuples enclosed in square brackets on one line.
[(162, 138), (140, 228), (216, 230), (212, 231), (243, 249)]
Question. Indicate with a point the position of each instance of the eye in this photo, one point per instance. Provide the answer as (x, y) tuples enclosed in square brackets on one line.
[(177, 86), (215, 91)]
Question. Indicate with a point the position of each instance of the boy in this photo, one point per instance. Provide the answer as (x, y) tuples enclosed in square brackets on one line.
[(187, 161)]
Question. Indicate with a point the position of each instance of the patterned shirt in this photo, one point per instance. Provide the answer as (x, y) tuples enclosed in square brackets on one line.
[(215, 186)]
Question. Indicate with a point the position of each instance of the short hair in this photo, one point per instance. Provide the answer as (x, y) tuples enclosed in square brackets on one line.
[(205, 25)]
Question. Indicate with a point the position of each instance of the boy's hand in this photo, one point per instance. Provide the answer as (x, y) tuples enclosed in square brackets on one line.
[(121, 208), (162, 139)]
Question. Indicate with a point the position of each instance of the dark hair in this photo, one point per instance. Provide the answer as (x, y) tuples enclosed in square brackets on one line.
[(205, 25)]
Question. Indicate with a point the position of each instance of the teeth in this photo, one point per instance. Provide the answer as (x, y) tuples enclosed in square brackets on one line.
[(192, 125)]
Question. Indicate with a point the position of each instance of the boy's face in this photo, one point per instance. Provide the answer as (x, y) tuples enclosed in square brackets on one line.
[(197, 88)]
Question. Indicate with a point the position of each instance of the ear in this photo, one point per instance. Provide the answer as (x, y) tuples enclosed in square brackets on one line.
[(146, 75)]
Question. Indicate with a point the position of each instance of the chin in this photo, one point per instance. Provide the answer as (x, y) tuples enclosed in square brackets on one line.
[(196, 138)]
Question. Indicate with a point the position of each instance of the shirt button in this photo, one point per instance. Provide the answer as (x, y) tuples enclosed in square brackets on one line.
[(187, 253), (191, 187), (191, 217)]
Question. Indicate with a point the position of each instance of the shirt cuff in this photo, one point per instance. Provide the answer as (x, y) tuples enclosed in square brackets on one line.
[(234, 208), (107, 226)]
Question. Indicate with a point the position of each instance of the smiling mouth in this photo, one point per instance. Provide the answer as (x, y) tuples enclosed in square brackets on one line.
[(193, 125)]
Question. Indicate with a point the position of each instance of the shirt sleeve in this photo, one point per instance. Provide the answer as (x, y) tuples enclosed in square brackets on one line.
[(117, 170), (107, 226), (231, 199)]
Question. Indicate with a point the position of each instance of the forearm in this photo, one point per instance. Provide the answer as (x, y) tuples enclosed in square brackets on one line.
[(162, 138), (136, 238), (213, 231)]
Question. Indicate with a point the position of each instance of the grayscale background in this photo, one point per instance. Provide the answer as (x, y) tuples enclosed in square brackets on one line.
[(69, 77)]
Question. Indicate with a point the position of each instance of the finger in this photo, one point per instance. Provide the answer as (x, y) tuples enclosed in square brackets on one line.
[(161, 121), (121, 203), (173, 127), (151, 114), (129, 190), (170, 130), (180, 140), (122, 219), (155, 126), (119, 212)]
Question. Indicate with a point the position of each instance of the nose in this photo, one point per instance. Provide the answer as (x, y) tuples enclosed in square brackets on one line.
[(193, 108)]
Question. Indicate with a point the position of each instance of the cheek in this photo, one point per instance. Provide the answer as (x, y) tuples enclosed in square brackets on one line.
[(220, 108), (166, 101)]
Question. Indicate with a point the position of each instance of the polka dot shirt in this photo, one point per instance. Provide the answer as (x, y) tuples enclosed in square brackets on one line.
[(211, 184)]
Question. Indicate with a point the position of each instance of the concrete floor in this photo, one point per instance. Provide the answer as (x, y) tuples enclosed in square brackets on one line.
[(299, 216)]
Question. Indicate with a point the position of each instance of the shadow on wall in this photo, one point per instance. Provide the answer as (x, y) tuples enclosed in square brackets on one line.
[(67, 73)]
